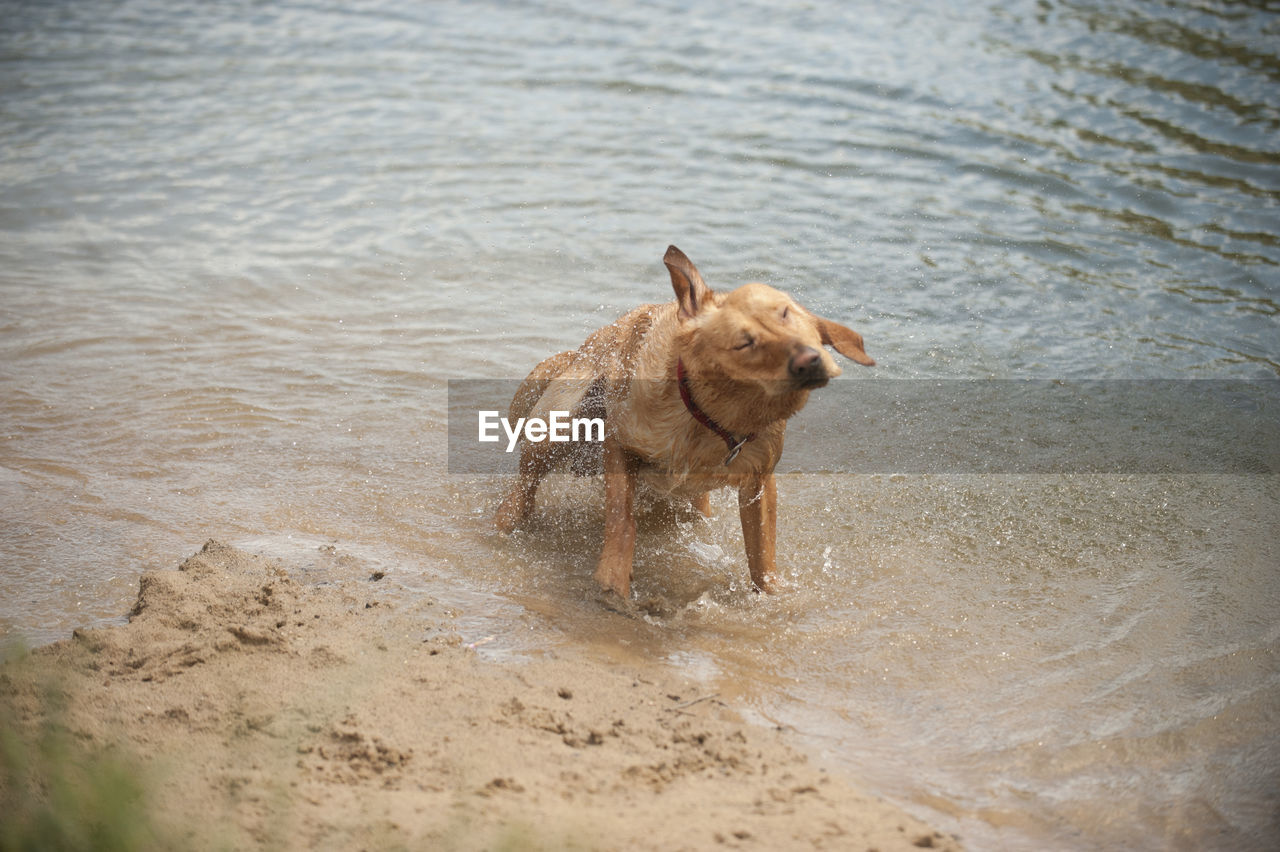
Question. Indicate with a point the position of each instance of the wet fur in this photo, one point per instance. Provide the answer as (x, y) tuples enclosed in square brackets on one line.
[(751, 356)]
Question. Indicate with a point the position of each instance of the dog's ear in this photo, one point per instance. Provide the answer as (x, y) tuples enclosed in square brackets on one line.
[(844, 340), (692, 293)]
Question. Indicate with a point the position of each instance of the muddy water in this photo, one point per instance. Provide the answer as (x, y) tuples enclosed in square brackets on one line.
[(243, 249)]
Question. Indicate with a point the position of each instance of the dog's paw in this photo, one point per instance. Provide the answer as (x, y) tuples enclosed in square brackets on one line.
[(613, 602), (614, 576), (657, 607), (510, 513), (771, 584)]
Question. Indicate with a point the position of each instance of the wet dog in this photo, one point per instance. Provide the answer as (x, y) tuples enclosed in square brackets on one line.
[(695, 396)]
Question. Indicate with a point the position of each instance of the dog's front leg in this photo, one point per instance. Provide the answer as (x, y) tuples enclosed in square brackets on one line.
[(614, 569), (758, 509)]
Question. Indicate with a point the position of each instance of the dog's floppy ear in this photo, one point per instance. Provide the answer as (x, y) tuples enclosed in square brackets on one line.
[(692, 293), (844, 340)]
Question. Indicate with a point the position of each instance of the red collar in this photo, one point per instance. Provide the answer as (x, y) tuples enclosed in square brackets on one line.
[(732, 441)]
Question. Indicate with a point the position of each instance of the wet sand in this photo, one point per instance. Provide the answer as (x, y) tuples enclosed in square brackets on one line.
[(259, 710)]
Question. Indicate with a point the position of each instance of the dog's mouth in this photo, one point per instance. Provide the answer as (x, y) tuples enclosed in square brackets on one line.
[(810, 382)]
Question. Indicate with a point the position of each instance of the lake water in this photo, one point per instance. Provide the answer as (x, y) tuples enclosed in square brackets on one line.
[(244, 247)]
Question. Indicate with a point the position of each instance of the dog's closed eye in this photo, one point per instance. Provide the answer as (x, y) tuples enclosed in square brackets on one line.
[(747, 343)]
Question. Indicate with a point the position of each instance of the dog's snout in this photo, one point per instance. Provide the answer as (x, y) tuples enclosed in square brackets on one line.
[(806, 367)]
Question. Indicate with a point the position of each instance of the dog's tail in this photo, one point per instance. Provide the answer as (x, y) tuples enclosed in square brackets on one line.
[(536, 383)]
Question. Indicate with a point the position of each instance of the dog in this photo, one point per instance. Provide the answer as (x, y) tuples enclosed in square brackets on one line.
[(695, 395)]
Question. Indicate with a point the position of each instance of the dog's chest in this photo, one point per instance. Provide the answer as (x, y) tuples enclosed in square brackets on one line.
[(693, 462)]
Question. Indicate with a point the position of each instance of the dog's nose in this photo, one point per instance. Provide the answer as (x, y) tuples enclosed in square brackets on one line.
[(806, 366)]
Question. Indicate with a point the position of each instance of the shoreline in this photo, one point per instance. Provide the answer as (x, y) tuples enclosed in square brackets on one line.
[(249, 709)]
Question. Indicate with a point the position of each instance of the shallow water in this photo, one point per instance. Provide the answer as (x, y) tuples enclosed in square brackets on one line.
[(243, 249)]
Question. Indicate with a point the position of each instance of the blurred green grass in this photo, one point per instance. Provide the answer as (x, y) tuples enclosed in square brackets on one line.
[(59, 791)]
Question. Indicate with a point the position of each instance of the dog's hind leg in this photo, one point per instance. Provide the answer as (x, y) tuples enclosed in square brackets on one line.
[(536, 460)]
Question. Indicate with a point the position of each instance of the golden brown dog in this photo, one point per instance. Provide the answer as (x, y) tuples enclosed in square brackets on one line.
[(695, 395)]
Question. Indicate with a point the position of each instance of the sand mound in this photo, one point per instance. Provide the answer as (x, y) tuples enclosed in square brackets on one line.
[(261, 711)]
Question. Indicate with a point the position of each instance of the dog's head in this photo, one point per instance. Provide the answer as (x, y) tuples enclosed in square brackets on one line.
[(756, 334)]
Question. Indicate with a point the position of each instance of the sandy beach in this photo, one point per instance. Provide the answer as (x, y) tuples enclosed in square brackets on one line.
[(242, 706)]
